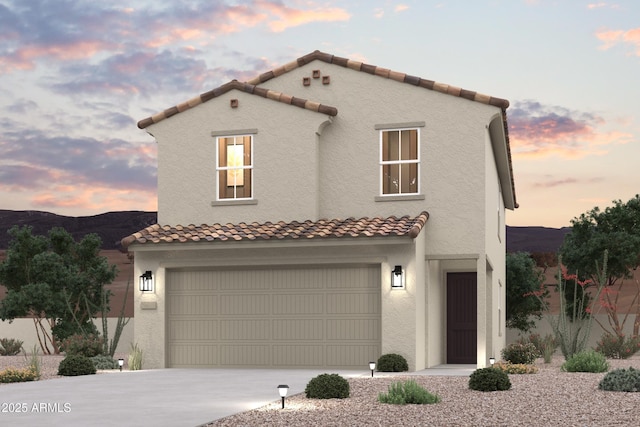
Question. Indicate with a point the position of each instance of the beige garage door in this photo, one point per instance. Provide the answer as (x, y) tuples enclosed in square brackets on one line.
[(285, 318)]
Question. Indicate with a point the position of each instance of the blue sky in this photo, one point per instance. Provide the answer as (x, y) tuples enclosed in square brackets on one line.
[(76, 76)]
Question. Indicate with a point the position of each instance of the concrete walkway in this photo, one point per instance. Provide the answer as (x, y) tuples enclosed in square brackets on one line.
[(162, 397)]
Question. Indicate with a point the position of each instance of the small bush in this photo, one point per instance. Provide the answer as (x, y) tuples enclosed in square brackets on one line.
[(544, 346), (10, 347), (408, 392), (586, 361), (135, 358), (86, 345), (489, 379), (392, 363), (615, 347), (621, 380), (519, 352), (327, 386), (75, 365), (102, 362), (34, 360), (517, 368), (11, 375)]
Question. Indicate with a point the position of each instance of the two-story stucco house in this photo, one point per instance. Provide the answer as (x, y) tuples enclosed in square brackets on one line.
[(322, 214)]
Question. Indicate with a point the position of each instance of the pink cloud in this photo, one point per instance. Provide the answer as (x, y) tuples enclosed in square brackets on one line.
[(98, 199), (400, 8), (290, 17), (612, 38)]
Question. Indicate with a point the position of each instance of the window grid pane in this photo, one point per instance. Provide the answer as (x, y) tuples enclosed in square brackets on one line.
[(399, 161), (234, 167)]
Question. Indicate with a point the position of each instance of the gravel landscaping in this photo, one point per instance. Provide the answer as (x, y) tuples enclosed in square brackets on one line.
[(548, 398)]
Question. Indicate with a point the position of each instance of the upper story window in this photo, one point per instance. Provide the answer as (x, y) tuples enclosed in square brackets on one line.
[(234, 167), (400, 161)]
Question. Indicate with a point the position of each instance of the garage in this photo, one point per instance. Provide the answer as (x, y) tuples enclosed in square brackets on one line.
[(326, 316)]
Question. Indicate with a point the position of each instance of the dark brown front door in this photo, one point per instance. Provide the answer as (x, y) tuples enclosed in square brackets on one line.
[(462, 334)]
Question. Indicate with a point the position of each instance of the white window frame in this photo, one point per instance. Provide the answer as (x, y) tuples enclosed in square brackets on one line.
[(227, 168), (398, 162)]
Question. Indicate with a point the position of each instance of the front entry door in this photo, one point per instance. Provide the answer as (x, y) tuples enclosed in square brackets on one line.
[(462, 333)]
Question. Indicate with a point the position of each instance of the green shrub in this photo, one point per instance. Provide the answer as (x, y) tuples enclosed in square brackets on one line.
[(519, 352), (517, 368), (10, 347), (86, 345), (586, 361), (11, 375), (621, 380), (392, 363), (76, 364), (327, 386), (408, 392), (34, 360), (103, 362), (135, 358), (615, 347), (489, 379), (544, 346)]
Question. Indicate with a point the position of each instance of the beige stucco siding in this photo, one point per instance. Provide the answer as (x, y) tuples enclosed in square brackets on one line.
[(285, 165)]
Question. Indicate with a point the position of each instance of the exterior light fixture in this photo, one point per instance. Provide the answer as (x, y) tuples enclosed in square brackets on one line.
[(120, 364), (397, 277), (492, 360), (283, 389), (372, 366), (146, 282)]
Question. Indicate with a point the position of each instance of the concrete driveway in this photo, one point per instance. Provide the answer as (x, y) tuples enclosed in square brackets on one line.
[(160, 397)]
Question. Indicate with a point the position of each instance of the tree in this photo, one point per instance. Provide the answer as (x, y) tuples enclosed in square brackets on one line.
[(55, 280), (616, 230), (523, 278)]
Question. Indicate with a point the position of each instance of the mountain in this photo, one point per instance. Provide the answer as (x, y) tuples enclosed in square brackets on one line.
[(113, 226), (110, 226)]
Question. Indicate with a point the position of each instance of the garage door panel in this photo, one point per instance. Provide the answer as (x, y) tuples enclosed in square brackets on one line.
[(298, 329), (245, 304), (286, 304), (253, 329), (354, 355), (353, 329), (193, 305), (298, 356), (189, 330), (245, 355), (296, 317), (355, 303)]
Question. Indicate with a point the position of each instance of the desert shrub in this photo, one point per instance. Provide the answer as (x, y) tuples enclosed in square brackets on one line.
[(586, 361), (518, 352), (86, 345), (392, 363), (544, 346), (408, 392), (102, 362), (34, 360), (11, 375), (10, 347), (76, 364), (616, 347), (135, 358), (516, 368), (489, 379), (327, 386), (621, 380)]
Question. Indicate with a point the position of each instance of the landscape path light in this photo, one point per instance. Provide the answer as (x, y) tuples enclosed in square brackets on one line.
[(372, 366), (283, 389), (120, 364), (492, 360)]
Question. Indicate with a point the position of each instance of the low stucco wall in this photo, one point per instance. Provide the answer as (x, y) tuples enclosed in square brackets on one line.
[(25, 331)]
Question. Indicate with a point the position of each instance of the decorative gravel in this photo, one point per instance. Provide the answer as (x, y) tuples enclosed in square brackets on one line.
[(547, 398)]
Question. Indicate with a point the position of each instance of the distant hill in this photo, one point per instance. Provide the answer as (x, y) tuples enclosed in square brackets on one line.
[(110, 226), (113, 226)]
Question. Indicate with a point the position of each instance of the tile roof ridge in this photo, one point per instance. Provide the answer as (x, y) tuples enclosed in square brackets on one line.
[(245, 87)]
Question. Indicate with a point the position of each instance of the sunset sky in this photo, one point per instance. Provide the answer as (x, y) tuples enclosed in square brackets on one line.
[(76, 76)]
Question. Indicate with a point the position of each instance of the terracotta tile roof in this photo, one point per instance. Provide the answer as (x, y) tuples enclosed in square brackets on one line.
[(321, 229), (245, 87)]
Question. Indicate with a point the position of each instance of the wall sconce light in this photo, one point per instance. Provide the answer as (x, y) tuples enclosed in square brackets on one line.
[(146, 282), (492, 360), (397, 277), (372, 366), (283, 389), (120, 364)]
